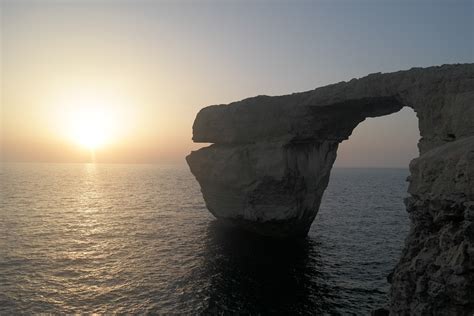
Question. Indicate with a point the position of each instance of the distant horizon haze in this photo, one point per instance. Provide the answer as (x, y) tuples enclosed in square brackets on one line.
[(364, 149)]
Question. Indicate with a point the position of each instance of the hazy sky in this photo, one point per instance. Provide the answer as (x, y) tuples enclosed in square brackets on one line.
[(134, 74)]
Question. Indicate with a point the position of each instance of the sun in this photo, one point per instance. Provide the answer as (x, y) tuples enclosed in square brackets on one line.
[(91, 132), (97, 120), (92, 124)]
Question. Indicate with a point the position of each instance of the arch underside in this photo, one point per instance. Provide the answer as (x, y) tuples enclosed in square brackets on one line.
[(271, 159)]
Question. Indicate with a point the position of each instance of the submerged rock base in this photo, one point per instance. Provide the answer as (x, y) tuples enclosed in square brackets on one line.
[(271, 159)]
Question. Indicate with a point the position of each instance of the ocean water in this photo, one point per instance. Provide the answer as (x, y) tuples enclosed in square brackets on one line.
[(138, 238)]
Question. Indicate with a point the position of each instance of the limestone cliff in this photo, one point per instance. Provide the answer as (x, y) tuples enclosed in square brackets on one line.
[(435, 274), (271, 159)]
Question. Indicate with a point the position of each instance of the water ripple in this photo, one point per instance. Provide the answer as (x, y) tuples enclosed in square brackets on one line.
[(138, 239)]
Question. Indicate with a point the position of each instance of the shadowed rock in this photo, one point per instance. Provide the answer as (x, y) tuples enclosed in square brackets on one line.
[(271, 158)]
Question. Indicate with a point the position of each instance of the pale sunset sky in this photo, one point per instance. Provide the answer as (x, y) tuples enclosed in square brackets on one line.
[(125, 79)]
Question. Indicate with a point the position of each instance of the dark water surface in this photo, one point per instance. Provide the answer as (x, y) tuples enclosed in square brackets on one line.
[(138, 238)]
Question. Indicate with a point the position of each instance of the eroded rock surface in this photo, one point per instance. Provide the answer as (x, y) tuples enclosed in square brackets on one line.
[(271, 158), (435, 273)]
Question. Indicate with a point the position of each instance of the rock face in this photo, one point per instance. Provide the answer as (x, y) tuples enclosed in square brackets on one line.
[(271, 158), (436, 271)]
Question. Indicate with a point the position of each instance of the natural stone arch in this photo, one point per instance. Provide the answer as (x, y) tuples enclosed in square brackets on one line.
[(271, 159)]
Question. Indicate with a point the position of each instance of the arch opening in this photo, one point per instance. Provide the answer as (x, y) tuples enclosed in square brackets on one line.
[(362, 221)]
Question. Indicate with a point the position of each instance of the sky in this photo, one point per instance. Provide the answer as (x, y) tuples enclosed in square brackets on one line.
[(122, 81)]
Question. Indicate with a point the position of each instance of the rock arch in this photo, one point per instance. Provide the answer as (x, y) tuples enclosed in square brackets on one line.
[(271, 159)]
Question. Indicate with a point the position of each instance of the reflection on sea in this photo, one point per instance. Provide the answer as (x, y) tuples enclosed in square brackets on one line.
[(251, 274), (138, 239)]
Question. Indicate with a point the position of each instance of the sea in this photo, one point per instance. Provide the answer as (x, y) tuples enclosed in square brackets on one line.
[(134, 239)]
